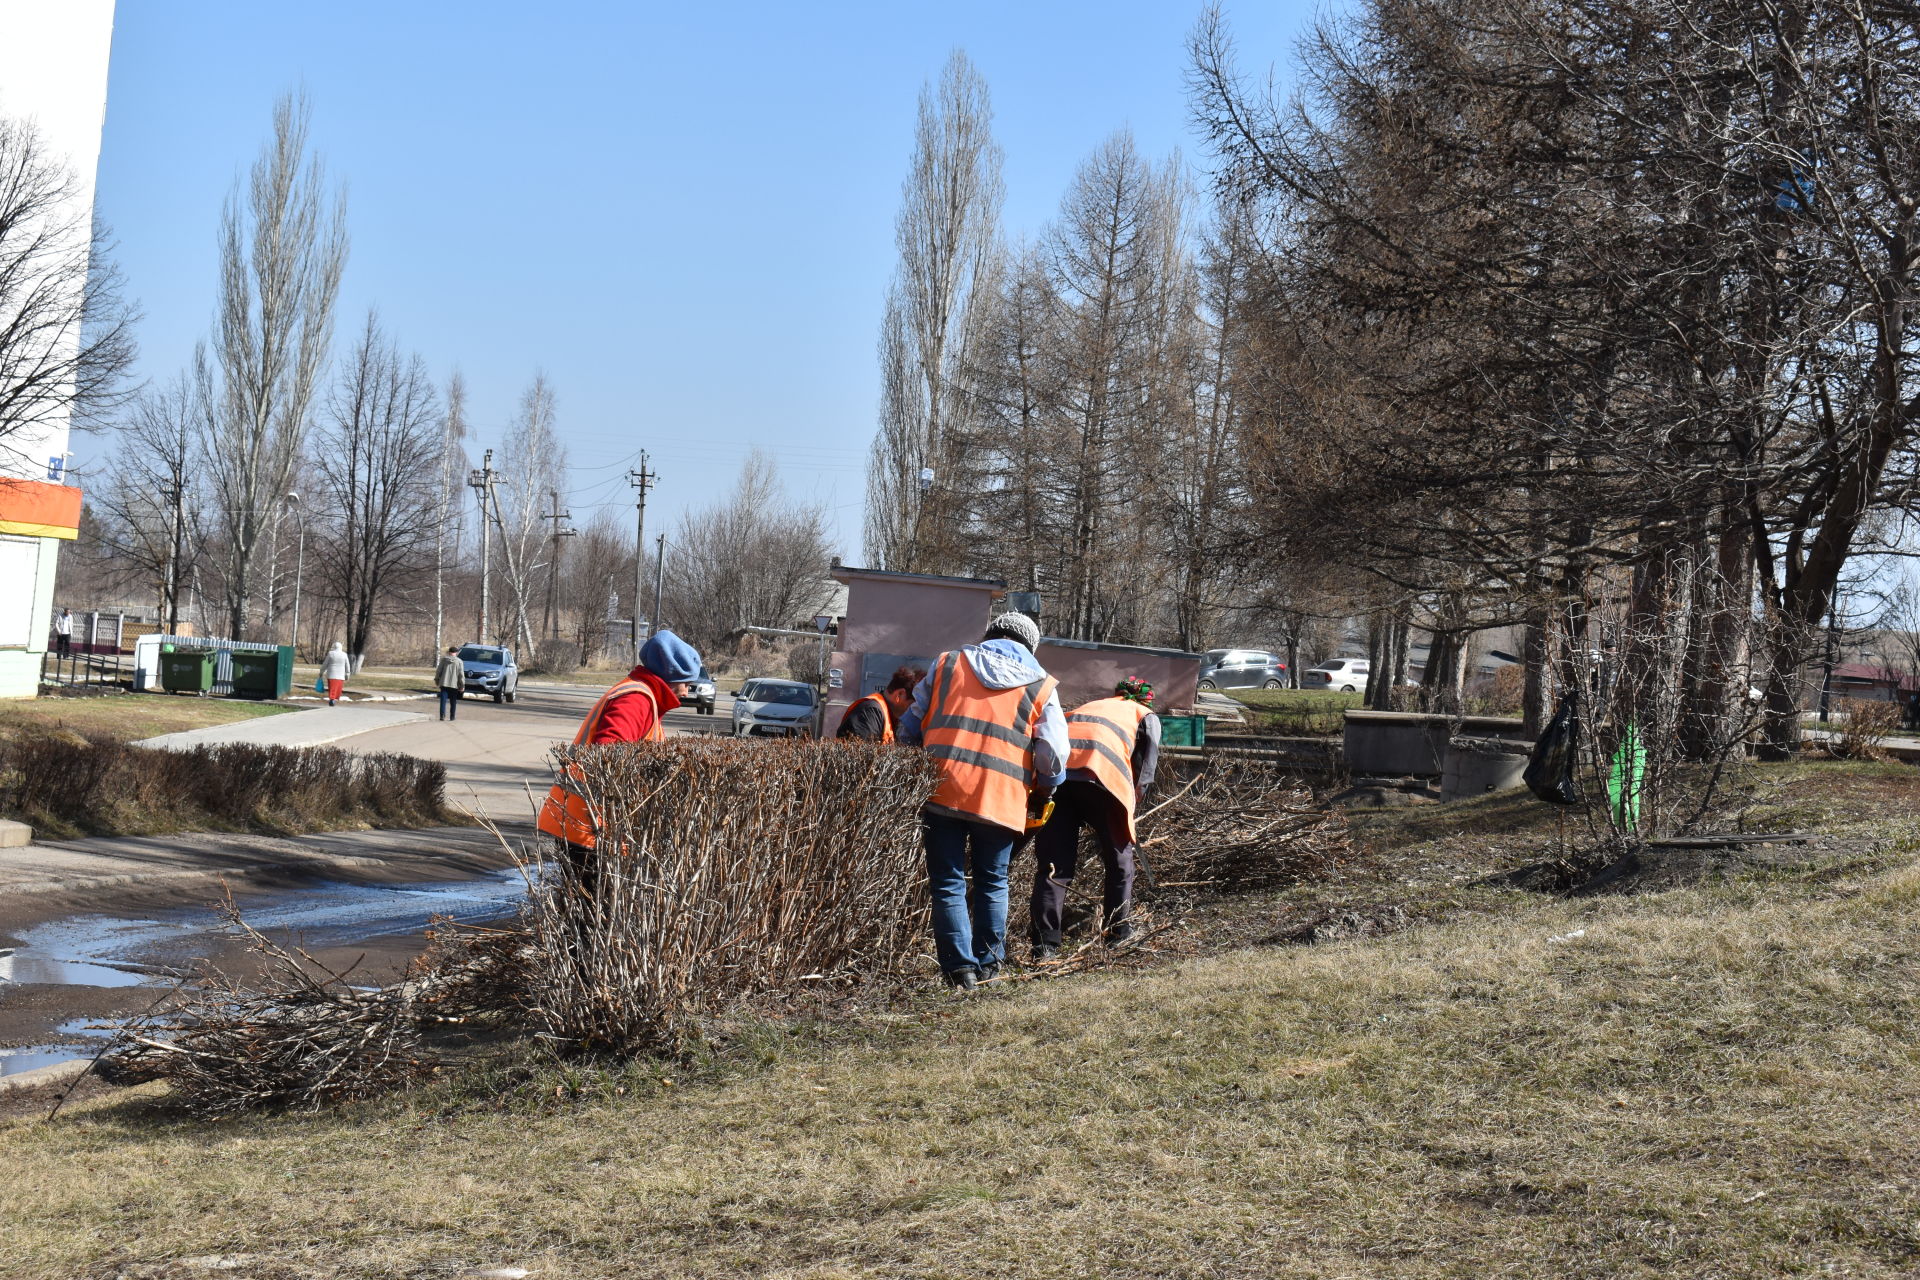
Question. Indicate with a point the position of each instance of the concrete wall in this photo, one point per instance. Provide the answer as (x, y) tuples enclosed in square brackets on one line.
[(26, 615), (1087, 672), (53, 71), (890, 623)]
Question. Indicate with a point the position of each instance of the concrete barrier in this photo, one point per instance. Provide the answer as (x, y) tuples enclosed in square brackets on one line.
[(1394, 743), (1476, 766)]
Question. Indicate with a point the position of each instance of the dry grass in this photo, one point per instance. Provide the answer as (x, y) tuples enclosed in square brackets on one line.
[(1716, 1081), (125, 716)]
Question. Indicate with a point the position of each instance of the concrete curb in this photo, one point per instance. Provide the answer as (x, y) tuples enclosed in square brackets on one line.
[(275, 731)]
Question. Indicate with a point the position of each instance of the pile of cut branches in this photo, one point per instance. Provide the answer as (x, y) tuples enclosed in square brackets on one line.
[(723, 868), (1239, 825), (298, 1035)]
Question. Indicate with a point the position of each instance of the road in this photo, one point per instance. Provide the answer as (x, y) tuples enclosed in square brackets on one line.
[(496, 754)]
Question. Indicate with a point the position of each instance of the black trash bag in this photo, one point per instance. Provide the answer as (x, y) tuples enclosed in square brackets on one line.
[(1551, 768)]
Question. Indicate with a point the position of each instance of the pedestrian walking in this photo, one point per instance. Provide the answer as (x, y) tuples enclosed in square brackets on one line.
[(333, 670), (872, 718), (630, 711), (450, 678), (989, 716), (1114, 749), (63, 633)]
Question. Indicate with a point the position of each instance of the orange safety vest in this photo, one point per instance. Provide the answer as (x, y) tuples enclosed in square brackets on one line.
[(566, 814), (886, 714), (981, 740), (1100, 739)]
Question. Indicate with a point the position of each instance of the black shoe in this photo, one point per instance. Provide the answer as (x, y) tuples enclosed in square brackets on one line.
[(1120, 934), (988, 972), (1042, 952), (963, 979)]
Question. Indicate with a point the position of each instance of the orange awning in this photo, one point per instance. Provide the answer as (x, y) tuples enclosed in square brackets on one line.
[(37, 509)]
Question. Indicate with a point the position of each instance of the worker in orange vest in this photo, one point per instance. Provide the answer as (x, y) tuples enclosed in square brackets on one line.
[(1113, 751), (630, 711), (872, 718), (990, 718)]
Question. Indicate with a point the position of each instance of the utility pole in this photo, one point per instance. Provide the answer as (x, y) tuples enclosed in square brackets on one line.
[(481, 482), (642, 480), (659, 572), (552, 623)]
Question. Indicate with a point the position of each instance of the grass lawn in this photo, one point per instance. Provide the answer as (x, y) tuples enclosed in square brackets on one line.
[(1715, 1080), (128, 716), (1295, 711)]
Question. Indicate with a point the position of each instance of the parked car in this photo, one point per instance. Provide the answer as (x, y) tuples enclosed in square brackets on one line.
[(491, 671), (700, 693), (780, 708), (1242, 669), (1348, 675)]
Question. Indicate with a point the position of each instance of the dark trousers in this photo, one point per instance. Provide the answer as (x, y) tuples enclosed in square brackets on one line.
[(1057, 848), (449, 703), (65, 643)]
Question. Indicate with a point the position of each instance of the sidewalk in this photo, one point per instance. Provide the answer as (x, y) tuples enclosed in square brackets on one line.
[(92, 867), (313, 728)]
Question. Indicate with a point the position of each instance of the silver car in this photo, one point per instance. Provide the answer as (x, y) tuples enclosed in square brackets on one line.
[(780, 708), (1345, 675), (1242, 669)]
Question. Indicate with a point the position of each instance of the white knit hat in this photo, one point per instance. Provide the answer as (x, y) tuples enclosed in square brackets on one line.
[(1015, 626)]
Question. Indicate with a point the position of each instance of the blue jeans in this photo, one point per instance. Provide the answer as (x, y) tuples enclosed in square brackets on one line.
[(969, 924), (449, 704)]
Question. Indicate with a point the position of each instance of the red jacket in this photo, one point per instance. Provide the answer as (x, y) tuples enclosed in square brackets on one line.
[(630, 718)]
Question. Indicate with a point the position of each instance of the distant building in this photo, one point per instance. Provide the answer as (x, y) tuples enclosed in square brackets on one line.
[(1870, 683), (53, 71)]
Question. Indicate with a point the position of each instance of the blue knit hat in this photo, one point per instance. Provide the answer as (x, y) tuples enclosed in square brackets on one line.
[(669, 657)]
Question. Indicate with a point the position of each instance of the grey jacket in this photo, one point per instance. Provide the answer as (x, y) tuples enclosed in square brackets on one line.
[(450, 672)]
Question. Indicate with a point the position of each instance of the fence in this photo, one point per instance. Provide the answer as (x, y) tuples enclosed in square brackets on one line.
[(80, 667)]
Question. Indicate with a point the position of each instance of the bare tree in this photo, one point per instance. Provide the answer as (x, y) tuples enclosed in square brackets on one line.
[(150, 510), (449, 507), (65, 335), (752, 559), (598, 570), (282, 248), (533, 463), (376, 459), (950, 204)]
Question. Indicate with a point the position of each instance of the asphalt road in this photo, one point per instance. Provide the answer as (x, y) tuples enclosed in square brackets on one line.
[(496, 754)]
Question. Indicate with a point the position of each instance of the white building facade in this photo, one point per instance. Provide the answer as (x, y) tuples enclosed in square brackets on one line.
[(53, 72)]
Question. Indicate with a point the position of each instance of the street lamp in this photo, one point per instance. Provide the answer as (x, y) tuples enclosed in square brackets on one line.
[(299, 563)]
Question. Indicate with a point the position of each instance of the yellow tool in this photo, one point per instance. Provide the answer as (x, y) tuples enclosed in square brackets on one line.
[(1037, 820)]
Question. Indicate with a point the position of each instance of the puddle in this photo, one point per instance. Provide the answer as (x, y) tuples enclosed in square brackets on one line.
[(33, 1057), (121, 951), (128, 951)]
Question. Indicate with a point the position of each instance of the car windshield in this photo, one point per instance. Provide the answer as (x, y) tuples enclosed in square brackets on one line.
[(473, 653), (789, 695)]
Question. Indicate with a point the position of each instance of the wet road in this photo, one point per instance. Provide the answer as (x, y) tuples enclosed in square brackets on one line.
[(151, 950), (496, 753)]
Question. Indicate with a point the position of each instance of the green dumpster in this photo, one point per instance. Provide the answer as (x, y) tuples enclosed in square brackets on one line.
[(187, 671), (259, 675), (1183, 731)]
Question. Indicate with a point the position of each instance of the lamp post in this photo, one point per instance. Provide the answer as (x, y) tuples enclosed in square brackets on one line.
[(299, 563)]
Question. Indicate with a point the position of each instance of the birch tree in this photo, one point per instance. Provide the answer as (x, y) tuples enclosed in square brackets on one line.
[(533, 463)]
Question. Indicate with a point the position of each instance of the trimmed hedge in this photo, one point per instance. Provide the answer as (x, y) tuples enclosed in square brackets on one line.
[(67, 785)]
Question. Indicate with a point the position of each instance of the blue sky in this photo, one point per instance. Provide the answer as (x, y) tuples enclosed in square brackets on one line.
[(684, 216)]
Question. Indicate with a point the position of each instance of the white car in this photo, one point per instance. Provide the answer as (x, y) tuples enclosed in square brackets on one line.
[(1347, 675), (782, 708)]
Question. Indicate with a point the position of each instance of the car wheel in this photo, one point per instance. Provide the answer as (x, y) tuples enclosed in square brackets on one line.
[(1347, 688), (1208, 685), (513, 695), (499, 697), (1273, 684)]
